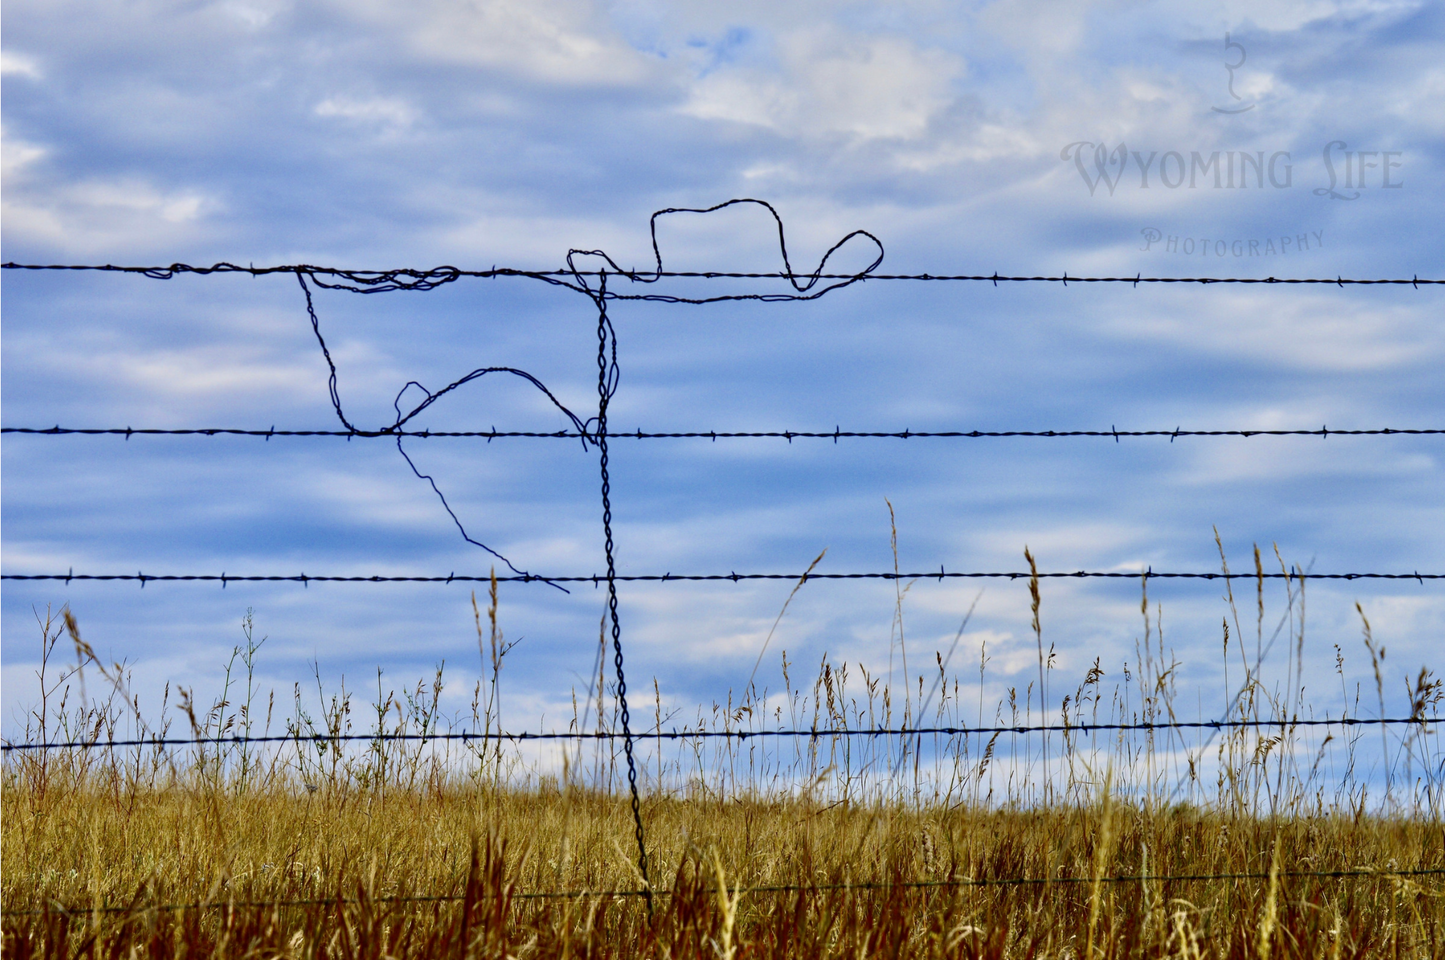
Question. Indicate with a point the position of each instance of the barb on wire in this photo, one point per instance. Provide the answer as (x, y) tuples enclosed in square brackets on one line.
[(601, 579), (810, 733), (640, 434), (862, 886)]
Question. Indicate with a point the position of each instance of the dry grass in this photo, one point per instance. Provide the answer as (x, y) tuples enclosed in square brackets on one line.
[(226, 830), (87, 847)]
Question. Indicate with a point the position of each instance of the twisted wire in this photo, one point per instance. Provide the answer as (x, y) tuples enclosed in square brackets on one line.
[(608, 377), (402, 418), (813, 733), (647, 892), (599, 579), (639, 434), (407, 278)]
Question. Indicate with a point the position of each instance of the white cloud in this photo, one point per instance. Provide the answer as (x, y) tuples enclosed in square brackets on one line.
[(90, 214), (1307, 331), (1282, 15), (129, 196), (392, 111), (831, 82), (101, 214), (555, 41), (987, 142), (1258, 461), (1044, 31), (16, 156), (1422, 103), (254, 14), (1062, 544), (18, 65)]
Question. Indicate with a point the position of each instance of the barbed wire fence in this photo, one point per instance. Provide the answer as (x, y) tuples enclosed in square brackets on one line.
[(864, 886), (600, 285), (811, 733)]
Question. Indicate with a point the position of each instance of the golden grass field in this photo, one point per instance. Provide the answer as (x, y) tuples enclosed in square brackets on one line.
[(1273, 841)]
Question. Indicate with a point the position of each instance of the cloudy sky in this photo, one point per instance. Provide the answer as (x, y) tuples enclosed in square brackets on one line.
[(1286, 139)]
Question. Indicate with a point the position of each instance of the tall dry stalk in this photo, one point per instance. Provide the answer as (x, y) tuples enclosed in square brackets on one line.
[(1102, 845)]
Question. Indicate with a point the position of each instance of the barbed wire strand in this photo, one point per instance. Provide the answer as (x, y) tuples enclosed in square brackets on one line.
[(790, 435), (818, 733), (648, 893), (600, 579), (407, 278)]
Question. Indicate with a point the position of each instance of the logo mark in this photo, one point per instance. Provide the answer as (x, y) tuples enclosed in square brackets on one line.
[(1355, 163), (1231, 67), (1103, 159)]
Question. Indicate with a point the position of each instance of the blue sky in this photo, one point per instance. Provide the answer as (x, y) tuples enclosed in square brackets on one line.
[(1023, 138)]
